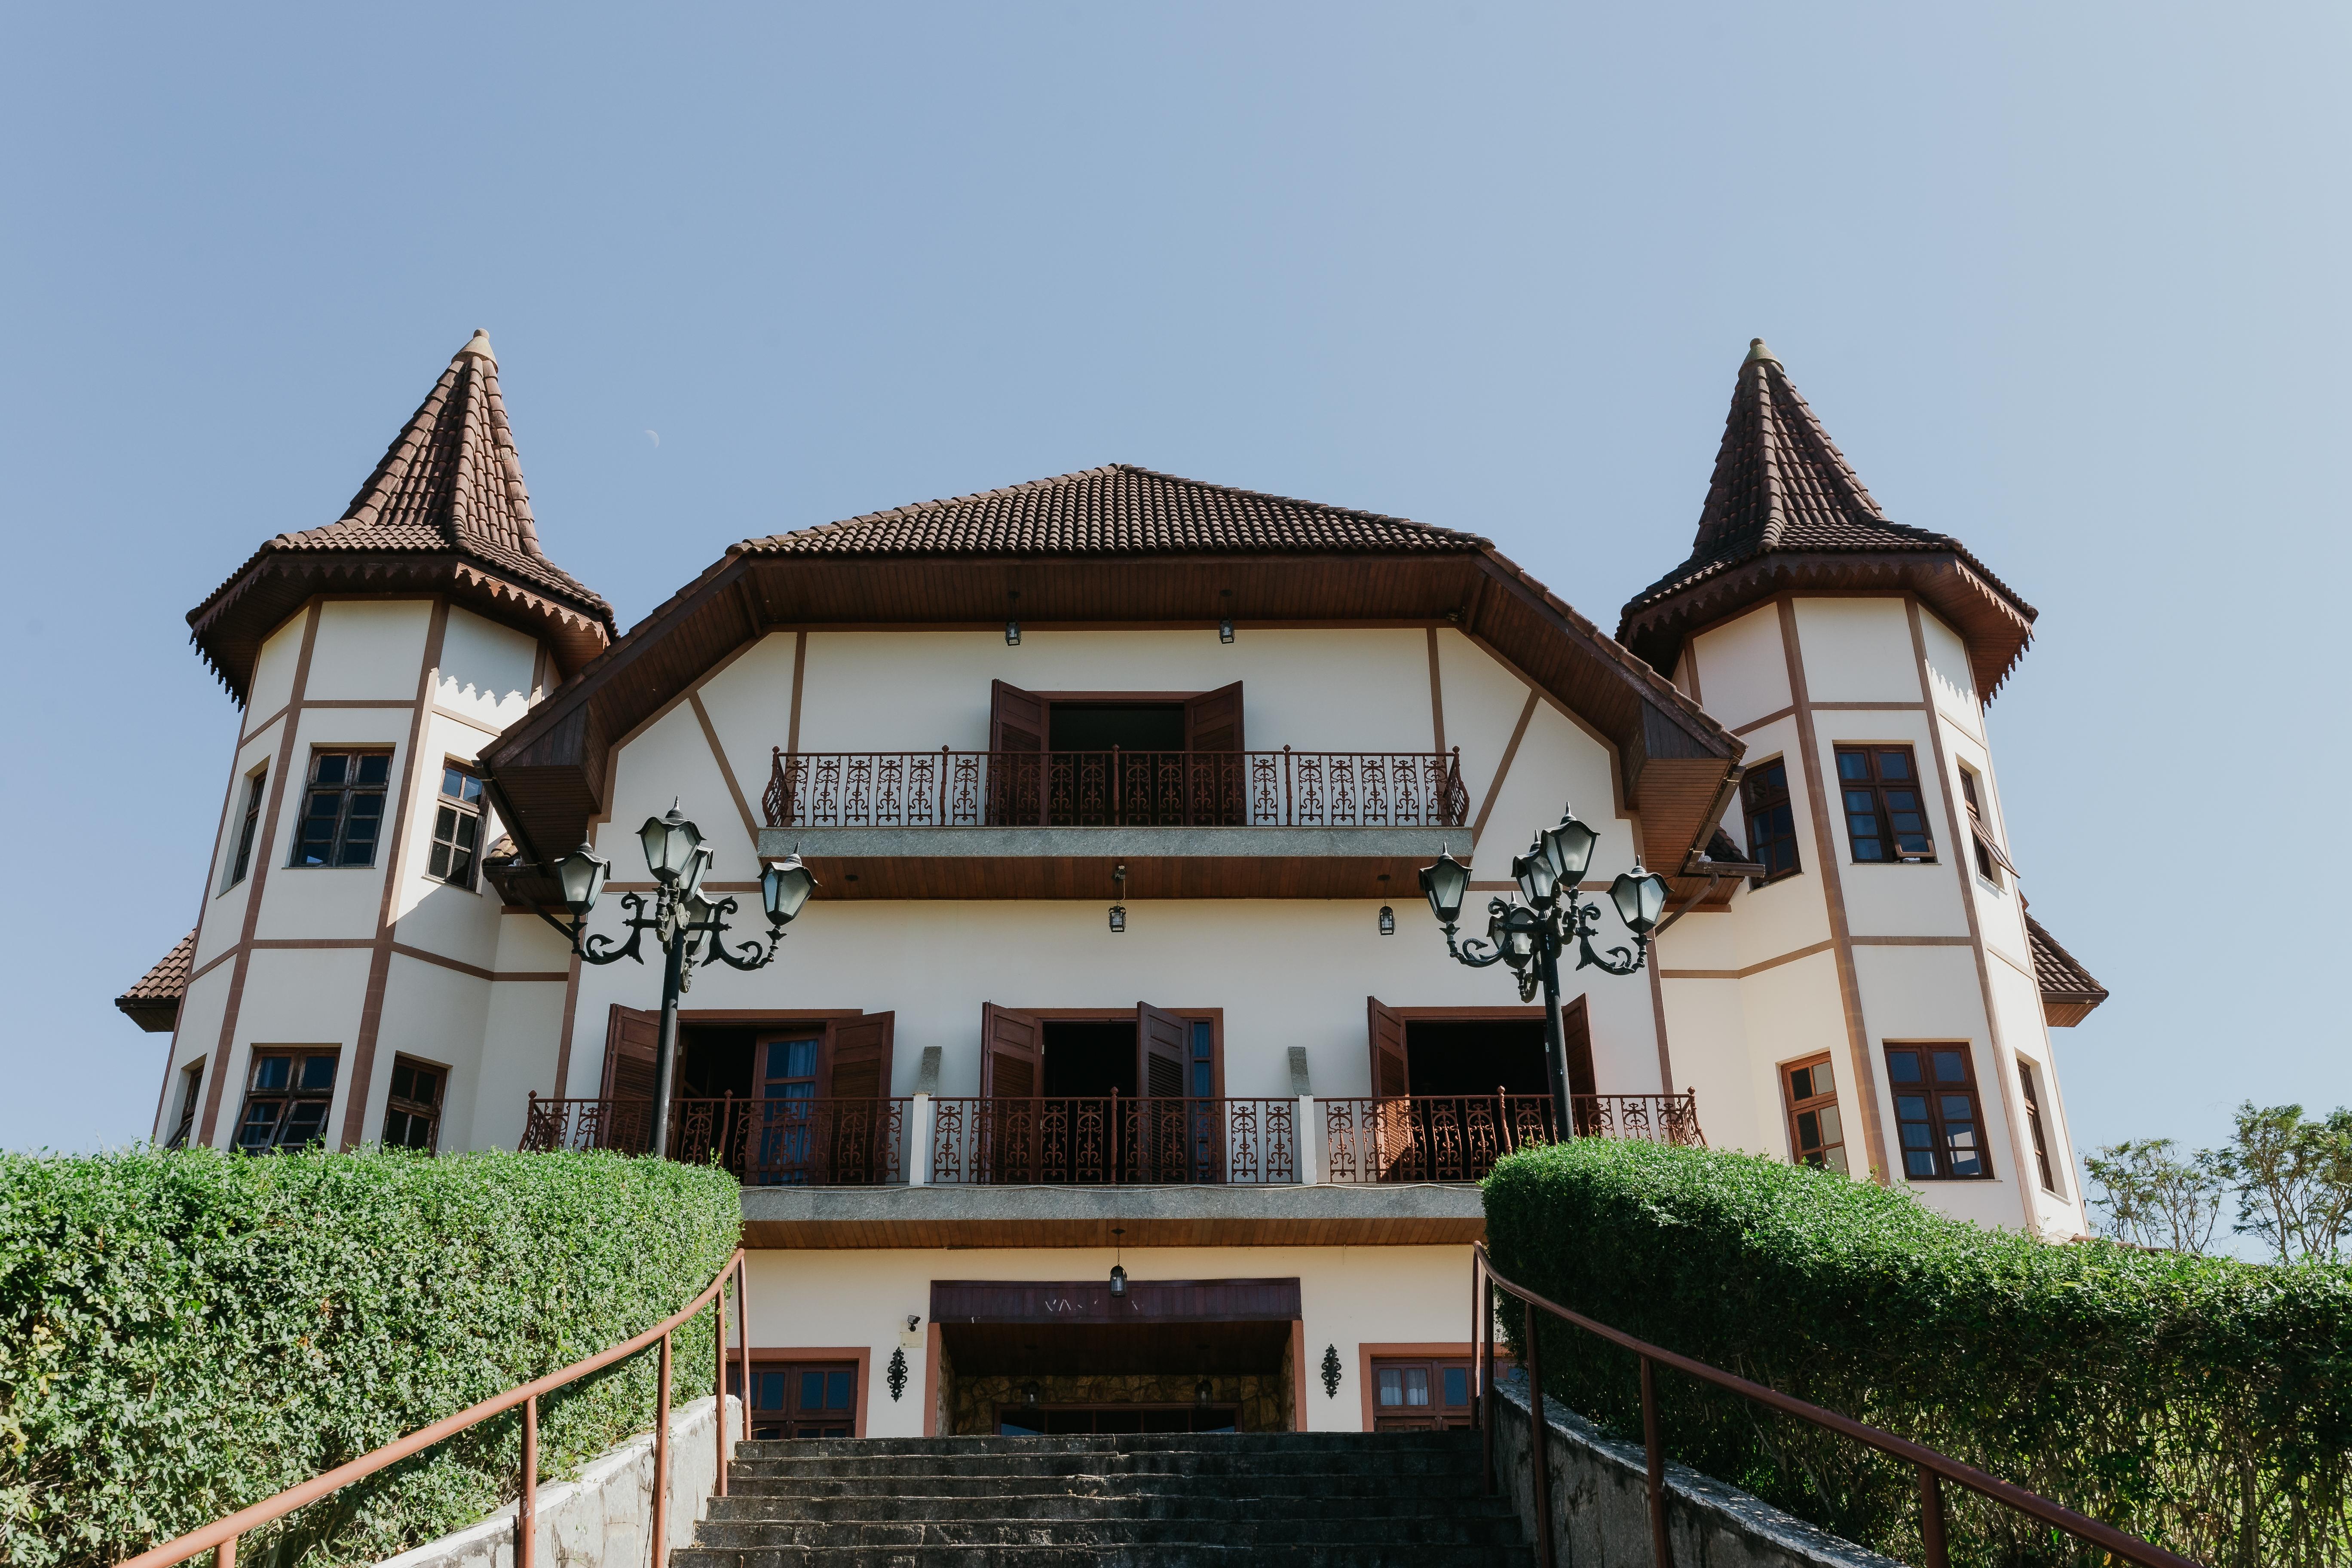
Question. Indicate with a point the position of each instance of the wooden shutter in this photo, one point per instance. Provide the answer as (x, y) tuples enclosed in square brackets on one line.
[(1390, 1078), (1016, 785), (1013, 1054), (1576, 1035), (1163, 1053), (1216, 788), (632, 1040), (860, 1069)]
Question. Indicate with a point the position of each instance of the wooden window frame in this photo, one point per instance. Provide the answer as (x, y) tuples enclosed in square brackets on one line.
[(241, 862), (861, 1356), (1990, 861), (1793, 1105), (1750, 806), (1883, 814), (458, 810), (397, 1104), (1932, 1091), (297, 1091), (1368, 1350), (2028, 1087), (347, 792), (192, 1084)]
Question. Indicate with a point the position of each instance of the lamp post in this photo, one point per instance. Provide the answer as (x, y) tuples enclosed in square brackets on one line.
[(682, 916), (1529, 932)]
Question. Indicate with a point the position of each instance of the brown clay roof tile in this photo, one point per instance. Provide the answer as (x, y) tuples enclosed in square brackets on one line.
[(153, 1000), (2068, 992)]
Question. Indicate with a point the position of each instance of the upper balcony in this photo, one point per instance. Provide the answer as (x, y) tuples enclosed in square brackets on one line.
[(1061, 824)]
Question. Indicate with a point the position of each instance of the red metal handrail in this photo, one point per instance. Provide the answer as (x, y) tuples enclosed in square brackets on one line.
[(220, 1537), (1934, 1467)]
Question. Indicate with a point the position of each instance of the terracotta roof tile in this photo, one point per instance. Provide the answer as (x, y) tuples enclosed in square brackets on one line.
[(2068, 992), (153, 1000), (1116, 510)]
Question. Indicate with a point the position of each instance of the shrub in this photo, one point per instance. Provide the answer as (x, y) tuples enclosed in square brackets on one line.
[(2203, 1404), (184, 1333)]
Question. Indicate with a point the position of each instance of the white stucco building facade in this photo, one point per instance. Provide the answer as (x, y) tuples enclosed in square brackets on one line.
[(963, 1090)]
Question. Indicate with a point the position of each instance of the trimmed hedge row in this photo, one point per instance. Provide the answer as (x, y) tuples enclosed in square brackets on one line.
[(183, 1333), (2202, 1404)]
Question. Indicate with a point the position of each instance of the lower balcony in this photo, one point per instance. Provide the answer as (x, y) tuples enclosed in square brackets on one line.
[(959, 1141)]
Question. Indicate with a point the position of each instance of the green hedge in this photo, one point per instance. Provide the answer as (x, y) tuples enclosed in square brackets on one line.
[(2203, 1404), (184, 1333)]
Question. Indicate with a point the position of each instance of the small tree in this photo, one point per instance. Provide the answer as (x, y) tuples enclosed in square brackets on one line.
[(2294, 1178), (2153, 1199)]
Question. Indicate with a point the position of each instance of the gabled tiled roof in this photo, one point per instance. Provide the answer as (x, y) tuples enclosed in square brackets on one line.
[(1784, 504), (1116, 510), (446, 501), (153, 1001), (2068, 992)]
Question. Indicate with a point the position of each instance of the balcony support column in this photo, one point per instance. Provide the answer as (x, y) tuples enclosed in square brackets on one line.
[(1311, 1162), (919, 1126)]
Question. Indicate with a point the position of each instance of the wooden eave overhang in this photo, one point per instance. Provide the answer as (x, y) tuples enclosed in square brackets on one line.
[(1994, 624), (549, 771), (230, 627), (2069, 991)]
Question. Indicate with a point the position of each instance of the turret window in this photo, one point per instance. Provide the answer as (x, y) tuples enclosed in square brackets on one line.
[(246, 829), (342, 809), (456, 827), (1885, 814), (1935, 1112), (287, 1096), (1772, 820)]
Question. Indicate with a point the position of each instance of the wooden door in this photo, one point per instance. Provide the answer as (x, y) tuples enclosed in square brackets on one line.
[(781, 1141), (857, 1081), (1004, 1130), (1017, 768), (1217, 787), (1576, 1035), (1395, 1146), (1161, 1141), (632, 1044)]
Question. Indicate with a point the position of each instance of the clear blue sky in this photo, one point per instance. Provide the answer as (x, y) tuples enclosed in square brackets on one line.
[(2067, 281)]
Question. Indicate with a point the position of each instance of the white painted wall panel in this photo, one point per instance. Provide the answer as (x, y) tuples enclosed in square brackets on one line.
[(1743, 673), (333, 900), (368, 649), (486, 670), (273, 670), (1856, 650)]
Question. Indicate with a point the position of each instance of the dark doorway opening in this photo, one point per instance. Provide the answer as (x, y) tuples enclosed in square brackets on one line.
[(715, 1059), (1059, 1420), (1020, 1380), (1089, 1060), (1478, 1056), (1131, 727)]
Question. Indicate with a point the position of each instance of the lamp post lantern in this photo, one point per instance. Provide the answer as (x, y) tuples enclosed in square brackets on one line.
[(1529, 932), (683, 916)]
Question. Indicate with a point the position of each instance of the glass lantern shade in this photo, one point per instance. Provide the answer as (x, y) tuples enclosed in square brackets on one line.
[(1640, 897), (670, 842), (1388, 920), (1118, 1281), (1445, 884), (1568, 846), (697, 865), (695, 908), (784, 888), (583, 874), (1533, 872)]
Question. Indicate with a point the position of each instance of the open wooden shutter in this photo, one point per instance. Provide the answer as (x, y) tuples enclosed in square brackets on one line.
[(1216, 786), (853, 1134), (632, 1040), (1390, 1079), (1576, 1033), (1160, 1129), (860, 1069), (1163, 1053), (1016, 766), (1013, 1054)]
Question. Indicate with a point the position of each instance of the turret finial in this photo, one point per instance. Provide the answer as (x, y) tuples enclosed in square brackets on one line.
[(1756, 351)]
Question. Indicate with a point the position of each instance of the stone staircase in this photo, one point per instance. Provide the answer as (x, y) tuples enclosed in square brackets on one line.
[(1392, 1500)]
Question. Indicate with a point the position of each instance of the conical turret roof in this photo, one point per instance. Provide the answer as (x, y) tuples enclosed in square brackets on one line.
[(1785, 510), (445, 511)]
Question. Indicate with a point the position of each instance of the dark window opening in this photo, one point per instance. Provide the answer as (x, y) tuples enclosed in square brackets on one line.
[(1987, 866), (1885, 814), (1771, 821), (285, 1100), (1480, 1056), (1935, 1112), (192, 1078), (2025, 1082), (412, 1116), (1138, 727), (1816, 1129), (246, 829), (799, 1399), (342, 808), (456, 827), (1084, 1060)]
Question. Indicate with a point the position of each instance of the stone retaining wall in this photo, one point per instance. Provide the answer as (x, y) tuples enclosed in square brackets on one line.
[(603, 1519)]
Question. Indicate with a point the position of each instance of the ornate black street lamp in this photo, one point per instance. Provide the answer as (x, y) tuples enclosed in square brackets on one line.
[(683, 916), (1529, 932)]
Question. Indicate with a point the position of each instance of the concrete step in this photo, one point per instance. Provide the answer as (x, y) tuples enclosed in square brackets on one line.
[(1206, 1506), (1172, 1462), (1296, 1483), (1189, 1555), (919, 1532)]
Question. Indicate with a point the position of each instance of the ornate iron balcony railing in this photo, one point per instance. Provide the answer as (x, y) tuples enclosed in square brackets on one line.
[(1103, 1140), (1116, 788)]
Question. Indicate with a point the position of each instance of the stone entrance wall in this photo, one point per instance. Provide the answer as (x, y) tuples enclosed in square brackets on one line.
[(1263, 1399)]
